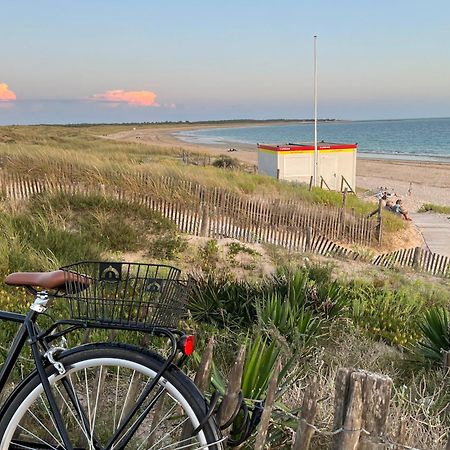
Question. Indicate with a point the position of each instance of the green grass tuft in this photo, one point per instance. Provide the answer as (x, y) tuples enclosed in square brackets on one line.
[(440, 209)]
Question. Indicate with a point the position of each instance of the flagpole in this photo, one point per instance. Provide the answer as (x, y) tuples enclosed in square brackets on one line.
[(316, 151)]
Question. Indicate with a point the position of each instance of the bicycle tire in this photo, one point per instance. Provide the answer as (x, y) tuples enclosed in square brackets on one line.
[(26, 422)]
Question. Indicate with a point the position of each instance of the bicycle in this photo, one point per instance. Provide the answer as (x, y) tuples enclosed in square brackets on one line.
[(105, 396)]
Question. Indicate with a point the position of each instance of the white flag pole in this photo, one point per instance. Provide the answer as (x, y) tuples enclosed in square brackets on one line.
[(316, 151)]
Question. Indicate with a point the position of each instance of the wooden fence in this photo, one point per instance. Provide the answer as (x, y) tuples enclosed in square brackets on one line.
[(216, 212), (361, 409), (417, 259)]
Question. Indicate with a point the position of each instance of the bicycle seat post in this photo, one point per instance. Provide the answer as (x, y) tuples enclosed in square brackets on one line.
[(40, 302)]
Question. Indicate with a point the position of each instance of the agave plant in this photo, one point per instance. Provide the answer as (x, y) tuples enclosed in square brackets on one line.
[(261, 357), (329, 299), (299, 287), (223, 302), (205, 302), (436, 333), (293, 321)]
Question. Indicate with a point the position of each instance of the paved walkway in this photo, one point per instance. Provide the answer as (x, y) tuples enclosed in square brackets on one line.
[(435, 229)]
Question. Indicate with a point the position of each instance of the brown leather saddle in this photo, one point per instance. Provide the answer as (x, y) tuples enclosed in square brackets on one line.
[(57, 279)]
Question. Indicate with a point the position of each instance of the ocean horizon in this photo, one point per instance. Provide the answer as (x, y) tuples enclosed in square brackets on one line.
[(405, 139)]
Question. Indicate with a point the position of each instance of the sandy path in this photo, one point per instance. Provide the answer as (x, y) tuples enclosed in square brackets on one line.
[(435, 229)]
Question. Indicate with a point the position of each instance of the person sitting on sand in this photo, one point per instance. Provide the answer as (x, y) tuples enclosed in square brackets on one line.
[(389, 205), (398, 208)]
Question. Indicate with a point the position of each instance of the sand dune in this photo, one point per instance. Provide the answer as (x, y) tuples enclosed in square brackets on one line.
[(415, 182)]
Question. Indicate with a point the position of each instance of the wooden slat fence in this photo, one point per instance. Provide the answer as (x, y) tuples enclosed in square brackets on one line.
[(229, 214), (216, 213), (416, 258)]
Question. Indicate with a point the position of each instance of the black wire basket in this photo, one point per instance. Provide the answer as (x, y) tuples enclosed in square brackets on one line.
[(126, 294)]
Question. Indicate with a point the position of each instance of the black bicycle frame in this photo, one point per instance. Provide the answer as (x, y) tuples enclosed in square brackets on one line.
[(17, 344), (29, 332)]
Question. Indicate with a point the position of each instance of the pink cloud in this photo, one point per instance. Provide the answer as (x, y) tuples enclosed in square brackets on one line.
[(136, 98), (6, 94)]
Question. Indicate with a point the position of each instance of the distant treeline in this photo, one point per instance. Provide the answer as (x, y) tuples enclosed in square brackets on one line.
[(201, 122)]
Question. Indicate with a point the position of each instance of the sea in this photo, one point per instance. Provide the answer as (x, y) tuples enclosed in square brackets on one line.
[(404, 139)]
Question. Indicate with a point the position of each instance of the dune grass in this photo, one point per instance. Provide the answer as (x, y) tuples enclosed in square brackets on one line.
[(81, 154), (430, 207), (54, 230)]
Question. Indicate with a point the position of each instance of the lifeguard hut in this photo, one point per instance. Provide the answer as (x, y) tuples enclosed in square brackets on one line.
[(295, 162)]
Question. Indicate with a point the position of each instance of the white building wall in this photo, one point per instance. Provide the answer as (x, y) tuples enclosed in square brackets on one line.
[(335, 165), (300, 167), (268, 163), (297, 167)]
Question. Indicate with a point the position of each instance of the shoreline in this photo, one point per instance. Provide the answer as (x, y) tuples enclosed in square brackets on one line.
[(407, 179)]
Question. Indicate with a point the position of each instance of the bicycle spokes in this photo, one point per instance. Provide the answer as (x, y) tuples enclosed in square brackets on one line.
[(93, 402)]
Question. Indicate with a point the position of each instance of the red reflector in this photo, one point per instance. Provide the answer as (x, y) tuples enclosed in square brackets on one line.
[(187, 345)]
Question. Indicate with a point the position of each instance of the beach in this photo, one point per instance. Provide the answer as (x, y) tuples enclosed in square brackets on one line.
[(415, 182)]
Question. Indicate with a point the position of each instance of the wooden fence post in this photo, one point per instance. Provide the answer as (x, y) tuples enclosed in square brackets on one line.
[(307, 415), (447, 447), (400, 439), (229, 402), (340, 400), (204, 229), (344, 198), (268, 404), (351, 414), (361, 410), (380, 221), (201, 380), (376, 395), (203, 374), (343, 213), (309, 235), (416, 257), (311, 183)]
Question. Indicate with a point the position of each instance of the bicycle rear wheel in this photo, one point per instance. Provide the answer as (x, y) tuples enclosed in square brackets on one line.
[(106, 380)]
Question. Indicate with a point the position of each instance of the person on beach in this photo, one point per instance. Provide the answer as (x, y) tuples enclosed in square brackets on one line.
[(398, 208), (389, 205), (384, 194)]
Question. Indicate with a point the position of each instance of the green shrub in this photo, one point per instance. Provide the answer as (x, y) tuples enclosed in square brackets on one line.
[(386, 314), (293, 321), (223, 302), (227, 162), (440, 209), (209, 255), (435, 328), (61, 229), (239, 255)]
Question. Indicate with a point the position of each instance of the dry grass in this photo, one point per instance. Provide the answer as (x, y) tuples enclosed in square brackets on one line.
[(419, 399), (80, 153)]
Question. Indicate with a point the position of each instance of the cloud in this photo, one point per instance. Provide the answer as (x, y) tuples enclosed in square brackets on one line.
[(6, 94), (135, 98)]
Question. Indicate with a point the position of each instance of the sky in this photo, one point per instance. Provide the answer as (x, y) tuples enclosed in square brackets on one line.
[(90, 61)]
